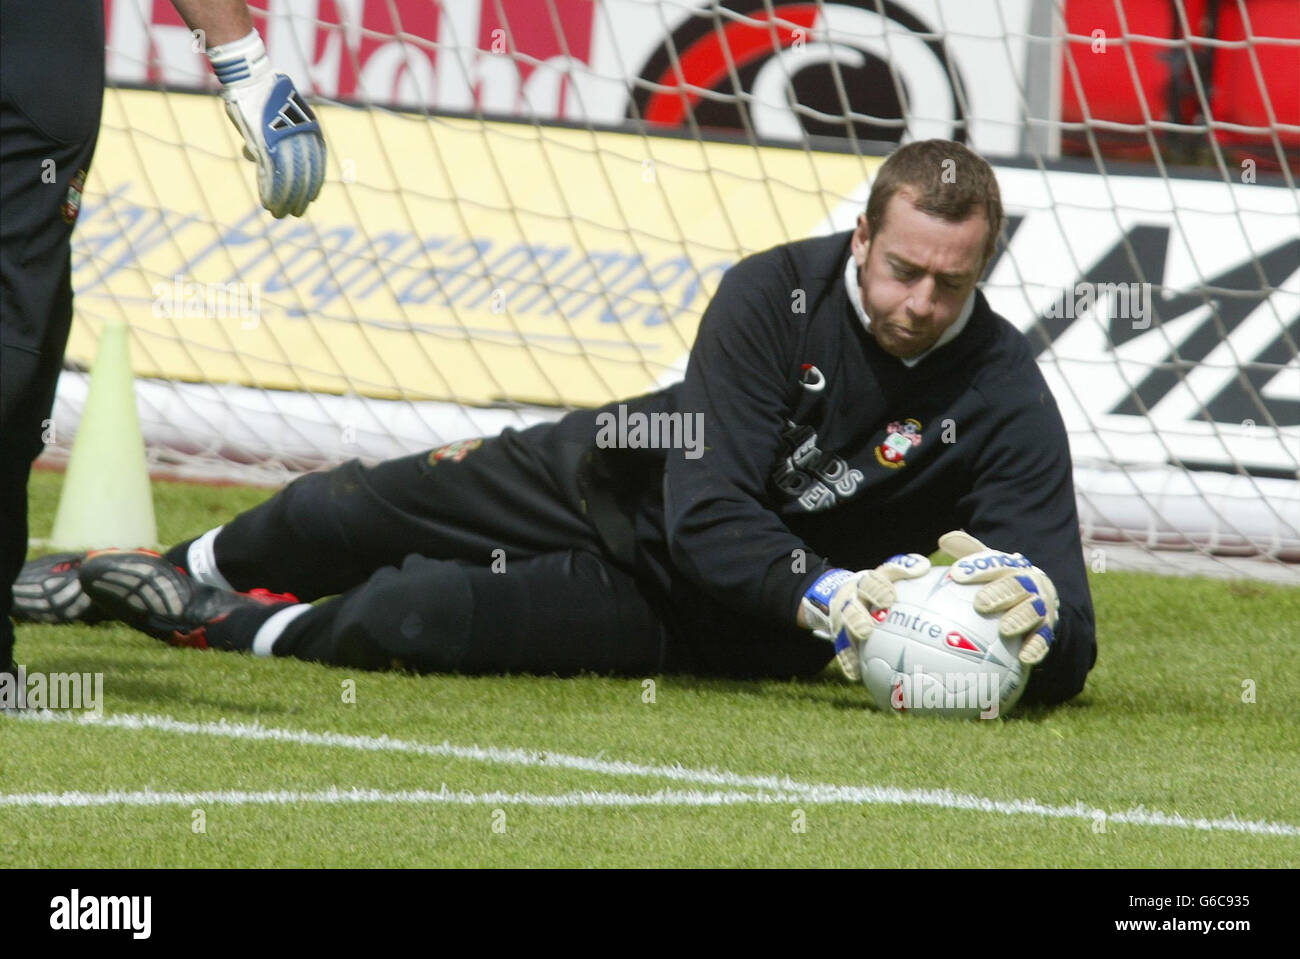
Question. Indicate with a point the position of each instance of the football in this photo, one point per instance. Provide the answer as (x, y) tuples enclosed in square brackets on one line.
[(932, 654)]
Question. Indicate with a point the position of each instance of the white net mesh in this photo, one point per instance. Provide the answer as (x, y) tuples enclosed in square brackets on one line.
[(530, 203)]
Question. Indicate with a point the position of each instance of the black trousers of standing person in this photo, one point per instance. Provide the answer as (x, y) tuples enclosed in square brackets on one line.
[(51, 93)]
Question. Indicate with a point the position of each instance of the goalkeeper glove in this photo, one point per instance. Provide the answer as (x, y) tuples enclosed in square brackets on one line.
[(280, 131), (839, 605), (1017, 589)]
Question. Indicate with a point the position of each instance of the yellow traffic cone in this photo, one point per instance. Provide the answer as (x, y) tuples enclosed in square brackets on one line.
[(106, 499)]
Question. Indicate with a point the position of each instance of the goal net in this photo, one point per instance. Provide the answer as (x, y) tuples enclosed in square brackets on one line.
[(530, 202)]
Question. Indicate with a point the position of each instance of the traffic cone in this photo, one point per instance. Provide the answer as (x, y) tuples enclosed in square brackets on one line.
[(106, 499)]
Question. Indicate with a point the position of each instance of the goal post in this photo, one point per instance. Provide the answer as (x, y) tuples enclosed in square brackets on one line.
[(529, 204)]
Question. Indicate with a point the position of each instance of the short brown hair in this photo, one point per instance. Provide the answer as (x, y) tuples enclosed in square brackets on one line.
[(945, 179)]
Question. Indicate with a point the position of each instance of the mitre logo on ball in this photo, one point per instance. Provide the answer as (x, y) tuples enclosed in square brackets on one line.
[(931, 653), (957, 641)]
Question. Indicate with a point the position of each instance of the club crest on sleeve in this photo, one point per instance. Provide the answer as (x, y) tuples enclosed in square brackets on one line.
[(900, 438), (453, 452), (72, 203)]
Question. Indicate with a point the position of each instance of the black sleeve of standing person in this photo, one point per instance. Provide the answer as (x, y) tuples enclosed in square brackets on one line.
[(721, 533), (1022, 500)]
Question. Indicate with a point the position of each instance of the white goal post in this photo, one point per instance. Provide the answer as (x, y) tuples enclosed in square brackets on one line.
[(529, 204)]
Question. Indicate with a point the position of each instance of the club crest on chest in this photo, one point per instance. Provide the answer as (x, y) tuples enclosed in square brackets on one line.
[(900, 439)]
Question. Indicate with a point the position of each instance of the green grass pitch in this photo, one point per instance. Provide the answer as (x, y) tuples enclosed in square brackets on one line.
[(204, 759)]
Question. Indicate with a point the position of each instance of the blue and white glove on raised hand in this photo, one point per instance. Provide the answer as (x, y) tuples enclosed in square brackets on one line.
[(839, 605), (1017, 589), (280, 131)]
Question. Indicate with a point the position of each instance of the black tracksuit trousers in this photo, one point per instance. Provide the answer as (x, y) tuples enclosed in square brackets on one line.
[(51, 92), (481, 559)]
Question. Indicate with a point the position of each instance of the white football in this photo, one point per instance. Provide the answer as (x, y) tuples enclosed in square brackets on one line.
[(931, 654)]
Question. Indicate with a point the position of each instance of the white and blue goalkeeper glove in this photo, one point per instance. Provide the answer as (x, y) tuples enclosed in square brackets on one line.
[(280, 131), (839, 605), (1017, 589)]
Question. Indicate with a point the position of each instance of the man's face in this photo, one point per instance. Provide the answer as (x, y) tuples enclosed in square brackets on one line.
[(916, 274)]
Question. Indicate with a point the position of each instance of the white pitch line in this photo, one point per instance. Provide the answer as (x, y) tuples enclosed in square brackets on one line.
[(782, 789), (336, 795)]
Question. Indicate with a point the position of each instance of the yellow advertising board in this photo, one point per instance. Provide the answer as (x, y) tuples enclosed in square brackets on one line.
[(446, 259)]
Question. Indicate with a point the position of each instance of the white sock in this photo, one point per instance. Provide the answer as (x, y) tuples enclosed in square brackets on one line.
[(269, 632), (201, 559)]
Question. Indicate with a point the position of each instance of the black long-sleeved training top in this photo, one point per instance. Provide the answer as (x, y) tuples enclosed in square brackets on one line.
[(821, 450)]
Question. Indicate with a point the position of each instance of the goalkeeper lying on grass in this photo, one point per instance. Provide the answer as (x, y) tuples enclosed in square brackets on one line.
[(892, 407)]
